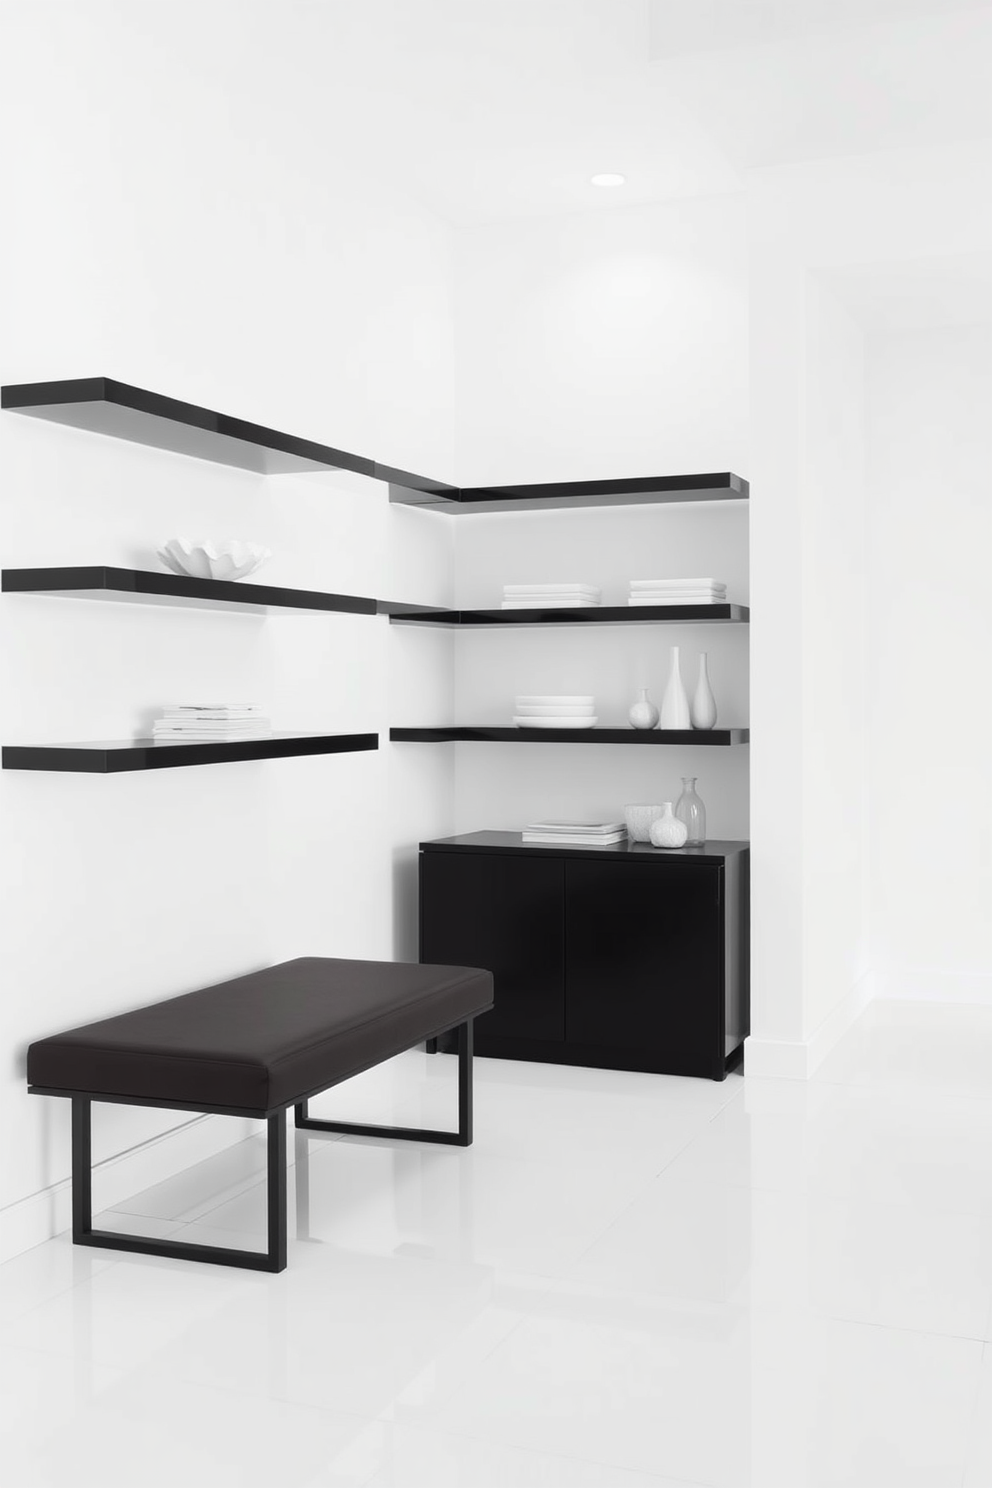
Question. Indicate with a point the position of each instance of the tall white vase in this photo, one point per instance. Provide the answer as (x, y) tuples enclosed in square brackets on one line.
[(675, 705), (703, 708)]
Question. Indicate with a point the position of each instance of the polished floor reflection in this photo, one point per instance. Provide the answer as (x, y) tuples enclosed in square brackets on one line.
[(627, 1281)]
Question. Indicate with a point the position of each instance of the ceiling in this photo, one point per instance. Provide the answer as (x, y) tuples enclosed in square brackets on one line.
[(507, 107), (483, 110)]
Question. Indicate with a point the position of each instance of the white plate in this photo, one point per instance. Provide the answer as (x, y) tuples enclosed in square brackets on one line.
[(549, 699), (554, 710), (569, 722)]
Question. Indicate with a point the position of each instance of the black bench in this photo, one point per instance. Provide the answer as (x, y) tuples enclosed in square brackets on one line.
[(255, 1046)]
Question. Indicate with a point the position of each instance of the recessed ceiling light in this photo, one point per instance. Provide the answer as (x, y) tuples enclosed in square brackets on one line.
[(608, 178)]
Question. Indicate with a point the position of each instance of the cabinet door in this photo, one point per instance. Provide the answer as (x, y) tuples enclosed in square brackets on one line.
[(503, 913), (644, 961)]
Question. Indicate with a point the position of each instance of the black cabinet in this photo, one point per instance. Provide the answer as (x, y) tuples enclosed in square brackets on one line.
[(618, 957), (504, 914)]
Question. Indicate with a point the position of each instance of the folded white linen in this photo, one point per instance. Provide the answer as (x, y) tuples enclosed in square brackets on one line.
[(672, 594), (582, 602), (517, 590), (677, 584), (676, 599)]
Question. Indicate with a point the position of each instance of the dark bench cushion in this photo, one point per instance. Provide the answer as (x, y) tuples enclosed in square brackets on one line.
[(262, 1041)]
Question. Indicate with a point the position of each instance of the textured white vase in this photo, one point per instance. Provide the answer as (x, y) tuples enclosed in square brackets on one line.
[(703, 710), (675, 704), (643, 714), (668, 831), (640, 820)]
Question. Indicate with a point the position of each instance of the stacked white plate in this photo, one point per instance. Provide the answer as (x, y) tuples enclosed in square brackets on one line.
[(549, 711)]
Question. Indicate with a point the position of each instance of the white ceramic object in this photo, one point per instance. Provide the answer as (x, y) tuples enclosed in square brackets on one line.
[(554, 710), (640, 820), (547, 699), (228, 559), (675, 704), (668, 831), (643, 714), (703, 708), (567, 721)]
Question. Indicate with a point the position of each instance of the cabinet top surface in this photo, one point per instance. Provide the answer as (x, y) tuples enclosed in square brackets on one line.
[(714, 851)]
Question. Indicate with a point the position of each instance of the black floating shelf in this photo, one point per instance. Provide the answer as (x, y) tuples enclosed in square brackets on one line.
[(460, 735), (705, 614), (105, 406), (116, 756), (138, 586), (549, 495)]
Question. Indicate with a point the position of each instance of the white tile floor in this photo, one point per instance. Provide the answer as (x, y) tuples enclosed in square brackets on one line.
[(627, 1281)]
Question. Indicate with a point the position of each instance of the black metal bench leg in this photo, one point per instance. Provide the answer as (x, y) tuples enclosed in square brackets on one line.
[(82, 1169), (460, 1138), (83, 1233)]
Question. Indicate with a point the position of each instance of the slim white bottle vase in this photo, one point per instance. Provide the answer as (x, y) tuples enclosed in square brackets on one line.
[(703, 708), (675, 704)]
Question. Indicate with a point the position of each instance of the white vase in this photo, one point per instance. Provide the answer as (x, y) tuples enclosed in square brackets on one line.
[(675, 705), (643, 714), (640, 820), (668, 831), (703, 710)]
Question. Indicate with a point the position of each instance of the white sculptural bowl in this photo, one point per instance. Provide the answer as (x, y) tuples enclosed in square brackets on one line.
[(212, 560)]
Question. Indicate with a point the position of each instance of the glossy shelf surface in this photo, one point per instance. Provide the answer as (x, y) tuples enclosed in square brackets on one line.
[(703, 614), (117, 756), (104, 406), (457, 734), (136, 585), (716, 850), (721, 485)]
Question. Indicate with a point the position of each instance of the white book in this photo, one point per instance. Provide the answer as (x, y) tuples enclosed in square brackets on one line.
[(222, 708), (575, 839), (677, 584), (574, 826), (513, 591), (549, 604), (175, 717), (220, 732), (192, 737), (676, 599)]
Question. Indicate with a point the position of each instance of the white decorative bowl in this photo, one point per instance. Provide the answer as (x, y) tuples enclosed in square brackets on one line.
[(546, 699), (555, 710), (212, 560)]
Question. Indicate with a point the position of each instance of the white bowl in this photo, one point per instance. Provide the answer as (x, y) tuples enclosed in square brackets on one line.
[(228, 559), (550, 700), (568, 721), (555, 710)]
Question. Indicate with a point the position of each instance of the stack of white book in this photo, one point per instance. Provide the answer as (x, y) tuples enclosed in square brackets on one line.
[(211, 723), (549, 596), (578, 833), (677, 592)]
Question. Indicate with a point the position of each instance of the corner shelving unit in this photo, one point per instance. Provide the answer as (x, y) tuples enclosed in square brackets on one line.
[(117, 409)]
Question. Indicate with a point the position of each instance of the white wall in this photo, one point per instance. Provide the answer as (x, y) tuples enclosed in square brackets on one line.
[(821, 235), (930, 537), (595, 346), (169, 223)]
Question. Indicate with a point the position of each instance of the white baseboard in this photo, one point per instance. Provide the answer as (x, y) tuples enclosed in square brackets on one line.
[(775, 1059), (916, 984), (42, 1215)]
